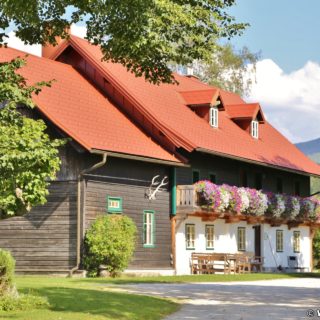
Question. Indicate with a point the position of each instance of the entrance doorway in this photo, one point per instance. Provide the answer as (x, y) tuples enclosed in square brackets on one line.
[(257, 240)]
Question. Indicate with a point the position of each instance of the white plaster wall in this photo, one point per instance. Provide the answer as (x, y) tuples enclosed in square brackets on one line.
[(226, 242), (273, 259)]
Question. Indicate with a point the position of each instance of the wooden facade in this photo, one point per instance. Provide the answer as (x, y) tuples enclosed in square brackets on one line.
[(44, 240)]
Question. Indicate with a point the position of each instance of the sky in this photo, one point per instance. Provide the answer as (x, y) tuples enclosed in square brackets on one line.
[(288, 74), (287, 80)]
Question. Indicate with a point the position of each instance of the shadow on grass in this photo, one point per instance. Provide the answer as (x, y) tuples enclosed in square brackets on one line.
[(112, 305), (198, 278)]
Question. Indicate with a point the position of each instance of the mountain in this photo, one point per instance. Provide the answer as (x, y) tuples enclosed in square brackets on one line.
[(311, 148)]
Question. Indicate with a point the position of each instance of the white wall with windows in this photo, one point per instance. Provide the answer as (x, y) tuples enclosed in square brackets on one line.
[(192, 236), (274, 258)]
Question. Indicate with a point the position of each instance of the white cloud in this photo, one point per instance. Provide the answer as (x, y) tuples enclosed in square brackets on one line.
[(290, 101), (16, 43)]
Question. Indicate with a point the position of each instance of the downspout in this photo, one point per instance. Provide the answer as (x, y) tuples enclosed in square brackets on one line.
[(95, 166), (173, 215)]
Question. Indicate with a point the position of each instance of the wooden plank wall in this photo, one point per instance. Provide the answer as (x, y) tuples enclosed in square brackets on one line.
[(44, 239), (134, 202)]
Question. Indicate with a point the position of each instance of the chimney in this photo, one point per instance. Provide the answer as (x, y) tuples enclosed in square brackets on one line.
[(49, 50)]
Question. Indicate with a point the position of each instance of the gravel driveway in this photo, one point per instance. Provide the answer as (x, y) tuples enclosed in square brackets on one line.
[(285, 299)]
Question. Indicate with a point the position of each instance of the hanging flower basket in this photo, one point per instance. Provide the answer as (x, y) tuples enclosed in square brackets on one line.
[(233, 200)]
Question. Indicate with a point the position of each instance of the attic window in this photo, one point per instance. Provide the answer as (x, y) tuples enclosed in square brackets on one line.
[(214, 117), (255, 129)]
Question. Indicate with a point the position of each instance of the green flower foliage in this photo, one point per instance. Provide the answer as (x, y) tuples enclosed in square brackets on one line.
[(143, 35), (110, 241), (28, 157)]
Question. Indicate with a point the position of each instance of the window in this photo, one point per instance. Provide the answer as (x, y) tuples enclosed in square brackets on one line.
[(114, 204), (148, 229), (214, 117), (258, 183), (241, 239), (210, 237), (243, 178), (297, 188), (296, 241), (195, 176), (190, 236), (279, 240), (212, 178), (255, 129), (279, 185)]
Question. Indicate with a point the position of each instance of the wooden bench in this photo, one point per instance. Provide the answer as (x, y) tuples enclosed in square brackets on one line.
[(208, 263)]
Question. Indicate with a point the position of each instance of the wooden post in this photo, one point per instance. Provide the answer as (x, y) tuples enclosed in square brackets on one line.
[(173, 241)]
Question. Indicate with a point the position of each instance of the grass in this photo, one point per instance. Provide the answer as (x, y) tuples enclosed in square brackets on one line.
[(93, 299), (200, 278), (71, 299)]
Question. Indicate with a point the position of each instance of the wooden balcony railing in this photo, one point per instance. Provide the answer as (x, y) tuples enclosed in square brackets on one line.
[(186, 197)]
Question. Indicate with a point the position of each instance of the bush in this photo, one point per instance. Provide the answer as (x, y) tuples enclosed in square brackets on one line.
[(110, 241), (316, 249), (22, 302), (7, 267)]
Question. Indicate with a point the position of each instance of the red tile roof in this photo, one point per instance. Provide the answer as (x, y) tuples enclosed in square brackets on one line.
[(80, 110), (200, 97), (165, 108), (244, 111)]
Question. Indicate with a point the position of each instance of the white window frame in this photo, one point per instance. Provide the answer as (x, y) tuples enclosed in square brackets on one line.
[(255, 129), (148, 229), (279, 240), (241, 238), (296, 241), (209, 236), (190, 236), (214, 117)]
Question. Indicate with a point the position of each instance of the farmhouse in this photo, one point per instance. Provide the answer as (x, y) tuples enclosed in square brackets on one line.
[(138, 149)]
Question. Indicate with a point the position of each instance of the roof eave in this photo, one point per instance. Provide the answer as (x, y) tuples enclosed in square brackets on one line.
[(264, 164), (141, 158)]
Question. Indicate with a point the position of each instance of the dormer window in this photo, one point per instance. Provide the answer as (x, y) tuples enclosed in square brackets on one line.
[(214, 117), (255, 129)]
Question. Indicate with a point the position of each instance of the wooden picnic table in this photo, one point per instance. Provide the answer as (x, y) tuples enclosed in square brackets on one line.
[(209, 263)]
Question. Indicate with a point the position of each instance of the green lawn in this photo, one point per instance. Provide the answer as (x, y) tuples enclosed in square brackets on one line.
[(94, 299), (71, 299)]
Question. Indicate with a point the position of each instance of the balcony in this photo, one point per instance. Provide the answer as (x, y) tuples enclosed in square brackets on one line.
[(210, 201)]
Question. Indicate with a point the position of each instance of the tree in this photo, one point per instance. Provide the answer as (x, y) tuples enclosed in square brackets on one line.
[(143, 35), (28, 157), (230, 69)]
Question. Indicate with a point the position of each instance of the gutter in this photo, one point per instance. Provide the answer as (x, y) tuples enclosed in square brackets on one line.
[(80, 176), (145, 159)]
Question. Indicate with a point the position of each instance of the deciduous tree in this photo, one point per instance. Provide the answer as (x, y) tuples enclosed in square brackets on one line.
[(230, 69), (143, 35), (28, 156)]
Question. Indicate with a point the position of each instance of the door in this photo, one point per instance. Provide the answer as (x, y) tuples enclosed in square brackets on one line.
[(257, 240)]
